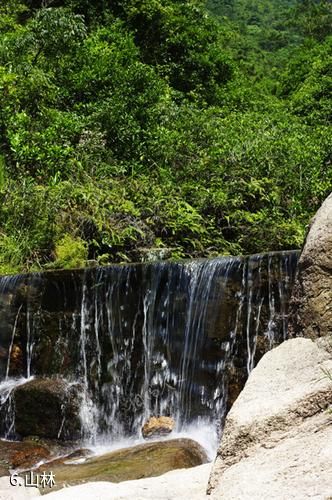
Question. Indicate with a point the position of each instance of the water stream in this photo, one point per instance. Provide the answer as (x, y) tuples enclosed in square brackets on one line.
[(147, 339)]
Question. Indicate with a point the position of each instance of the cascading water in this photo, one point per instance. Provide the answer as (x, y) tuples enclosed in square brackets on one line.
[(12, 342), (7, 405), (147, 339)]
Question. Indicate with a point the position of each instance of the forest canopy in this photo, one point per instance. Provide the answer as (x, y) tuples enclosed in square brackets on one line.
[(194, 128)]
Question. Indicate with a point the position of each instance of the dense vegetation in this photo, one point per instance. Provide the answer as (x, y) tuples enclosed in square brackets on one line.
[(200, 128)]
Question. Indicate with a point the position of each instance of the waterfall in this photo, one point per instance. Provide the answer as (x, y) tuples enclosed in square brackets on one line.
[(7, 406), (164, 338), (12, 342)]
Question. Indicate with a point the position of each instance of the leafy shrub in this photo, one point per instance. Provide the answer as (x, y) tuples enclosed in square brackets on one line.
[(69, 253)]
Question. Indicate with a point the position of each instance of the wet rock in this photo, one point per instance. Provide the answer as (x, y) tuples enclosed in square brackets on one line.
[(157, 426), (25, 454), (3, 353), (21, 454), (29, 455), (48, 408), (65, 458), (311, 311), (237, 377), (81, 453), (145, 460), (16, 360)]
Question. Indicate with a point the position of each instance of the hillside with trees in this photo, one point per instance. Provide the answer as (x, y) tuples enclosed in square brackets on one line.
[(201, 128)]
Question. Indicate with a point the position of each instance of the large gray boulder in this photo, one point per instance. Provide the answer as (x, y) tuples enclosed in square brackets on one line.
[(277, 441), (311, 305)]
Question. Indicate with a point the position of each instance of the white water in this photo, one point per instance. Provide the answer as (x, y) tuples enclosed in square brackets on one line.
[(6, 389), (12, 342), (199, 431)]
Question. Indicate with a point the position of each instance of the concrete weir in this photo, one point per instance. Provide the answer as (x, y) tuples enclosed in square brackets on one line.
[(166, 338)]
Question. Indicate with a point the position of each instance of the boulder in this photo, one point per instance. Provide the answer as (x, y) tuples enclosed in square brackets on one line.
[(311, 304), (48, 408), (277, 440), (140, 461), (20, 492), (157, 426)]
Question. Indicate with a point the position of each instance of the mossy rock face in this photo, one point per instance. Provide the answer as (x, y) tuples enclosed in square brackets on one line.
[(144, 460), (48, 408)]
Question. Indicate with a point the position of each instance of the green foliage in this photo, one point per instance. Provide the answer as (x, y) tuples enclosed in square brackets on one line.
[(26, 225), (10, 12), (313, 18), (308, 83), (139, 124), (69, 253), (183, 43), (2, 173)]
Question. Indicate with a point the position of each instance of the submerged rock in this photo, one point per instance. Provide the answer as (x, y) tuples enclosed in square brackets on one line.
[(144, 460), (157, 426), (48, 408)]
